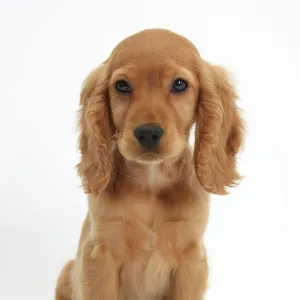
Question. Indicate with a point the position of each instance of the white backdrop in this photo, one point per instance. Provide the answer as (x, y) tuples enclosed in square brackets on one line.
[(48, 47)]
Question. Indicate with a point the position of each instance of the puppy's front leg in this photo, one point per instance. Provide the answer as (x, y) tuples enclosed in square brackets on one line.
[(190, 278), (98, 273)]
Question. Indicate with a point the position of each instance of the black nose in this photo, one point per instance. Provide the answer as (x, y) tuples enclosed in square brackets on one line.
[(148, 135)]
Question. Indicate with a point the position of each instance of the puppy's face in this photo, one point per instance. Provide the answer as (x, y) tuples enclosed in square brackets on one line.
[(145, 98), (153, 109), (153, 96)]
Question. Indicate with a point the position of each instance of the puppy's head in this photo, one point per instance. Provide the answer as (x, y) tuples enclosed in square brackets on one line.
[(143, 102)]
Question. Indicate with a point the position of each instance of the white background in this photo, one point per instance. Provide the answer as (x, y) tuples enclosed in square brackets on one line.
[(48, 47)]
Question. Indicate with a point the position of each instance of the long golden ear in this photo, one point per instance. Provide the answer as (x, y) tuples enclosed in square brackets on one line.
[(95, 140), (219, 131)]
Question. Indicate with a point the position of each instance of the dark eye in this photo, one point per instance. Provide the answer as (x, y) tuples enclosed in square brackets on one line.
[(179, 85), (123, 87)]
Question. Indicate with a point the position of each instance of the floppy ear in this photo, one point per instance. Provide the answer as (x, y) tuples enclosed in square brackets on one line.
[(219, 131), (95, 140)]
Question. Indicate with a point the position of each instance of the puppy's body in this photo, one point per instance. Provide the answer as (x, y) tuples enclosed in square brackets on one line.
[(147, 232), (143, 236)]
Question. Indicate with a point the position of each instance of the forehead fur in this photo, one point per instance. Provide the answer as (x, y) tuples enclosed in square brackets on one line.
[(154, 47)]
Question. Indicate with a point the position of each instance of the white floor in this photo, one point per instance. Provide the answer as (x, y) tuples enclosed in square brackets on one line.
[(47, 48)]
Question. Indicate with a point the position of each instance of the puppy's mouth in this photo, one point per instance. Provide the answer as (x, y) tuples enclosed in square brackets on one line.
[(159, 154), (135, 153)]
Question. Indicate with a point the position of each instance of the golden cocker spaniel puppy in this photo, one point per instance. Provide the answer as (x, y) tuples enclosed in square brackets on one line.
[(148, 192)]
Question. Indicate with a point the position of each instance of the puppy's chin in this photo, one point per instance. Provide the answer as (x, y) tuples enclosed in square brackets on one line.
[(146, 158), (149, 159)]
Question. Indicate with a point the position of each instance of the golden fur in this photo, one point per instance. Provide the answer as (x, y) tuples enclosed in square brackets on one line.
[(142, 238)]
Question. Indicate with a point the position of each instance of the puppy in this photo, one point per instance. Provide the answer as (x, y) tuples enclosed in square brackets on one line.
[(148, 192)]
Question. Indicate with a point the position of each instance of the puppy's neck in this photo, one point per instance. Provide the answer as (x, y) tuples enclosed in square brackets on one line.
[(151, 176), (157, 177)]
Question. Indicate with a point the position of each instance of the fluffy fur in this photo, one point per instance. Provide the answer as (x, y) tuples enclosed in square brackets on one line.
[(142, 238)]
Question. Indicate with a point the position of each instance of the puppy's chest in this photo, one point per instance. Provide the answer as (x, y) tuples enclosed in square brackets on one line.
[(147, 235), (141, 223), (146, 269), (144, 210)]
